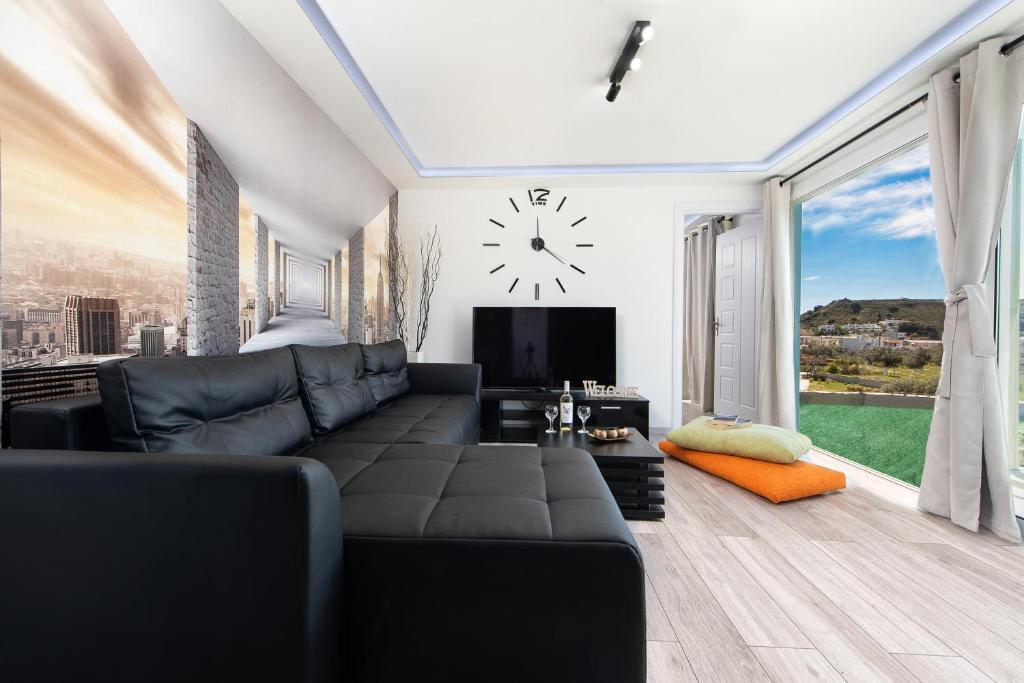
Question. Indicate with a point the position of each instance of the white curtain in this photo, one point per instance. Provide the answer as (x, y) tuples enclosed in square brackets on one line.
[(776, 372), (698, 315), (972, 130)]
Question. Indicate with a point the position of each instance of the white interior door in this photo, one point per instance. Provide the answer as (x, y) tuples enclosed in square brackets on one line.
[(738, 274)]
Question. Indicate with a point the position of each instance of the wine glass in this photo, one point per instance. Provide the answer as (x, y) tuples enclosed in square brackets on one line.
[(584, 412), (551, 412)]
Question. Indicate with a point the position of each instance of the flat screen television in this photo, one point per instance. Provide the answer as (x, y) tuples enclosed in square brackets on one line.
[(537, 347)]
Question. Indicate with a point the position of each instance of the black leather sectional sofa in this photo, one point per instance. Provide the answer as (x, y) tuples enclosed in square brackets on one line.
[(454, 561)]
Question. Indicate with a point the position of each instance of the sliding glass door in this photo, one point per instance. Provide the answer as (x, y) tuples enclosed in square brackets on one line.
[(871, 315)]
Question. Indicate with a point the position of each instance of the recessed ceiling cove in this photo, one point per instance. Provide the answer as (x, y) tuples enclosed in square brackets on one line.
[(517, 87)]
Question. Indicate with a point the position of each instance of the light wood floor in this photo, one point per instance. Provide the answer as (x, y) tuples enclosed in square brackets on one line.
[(856, 586)]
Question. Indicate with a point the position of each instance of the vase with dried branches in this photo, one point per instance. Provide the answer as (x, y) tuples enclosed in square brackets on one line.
[(430, 271)]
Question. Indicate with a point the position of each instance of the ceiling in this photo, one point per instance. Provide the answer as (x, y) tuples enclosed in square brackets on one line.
[(315, 105), (430, 89), (305, 178)]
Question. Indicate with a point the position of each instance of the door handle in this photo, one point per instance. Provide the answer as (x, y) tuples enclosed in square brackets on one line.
[(611, 407), (716, 324)]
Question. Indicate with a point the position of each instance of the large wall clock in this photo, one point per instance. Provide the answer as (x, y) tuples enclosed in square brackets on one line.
[(544, 227)]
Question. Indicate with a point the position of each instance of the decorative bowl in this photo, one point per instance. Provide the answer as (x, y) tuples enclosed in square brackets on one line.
[(609, 438)]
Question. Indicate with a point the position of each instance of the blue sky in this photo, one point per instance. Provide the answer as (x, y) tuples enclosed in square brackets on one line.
[(872, 237)]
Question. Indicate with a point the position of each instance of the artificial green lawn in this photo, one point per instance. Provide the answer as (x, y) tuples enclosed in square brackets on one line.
[(890, 440)]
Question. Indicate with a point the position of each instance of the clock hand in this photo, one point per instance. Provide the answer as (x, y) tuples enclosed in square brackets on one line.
[(538, 226), (561, 260)]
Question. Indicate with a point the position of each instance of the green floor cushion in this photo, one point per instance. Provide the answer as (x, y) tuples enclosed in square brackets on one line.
[(758, 442)]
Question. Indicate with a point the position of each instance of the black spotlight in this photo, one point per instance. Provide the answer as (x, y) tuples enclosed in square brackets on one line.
[(628, 61)]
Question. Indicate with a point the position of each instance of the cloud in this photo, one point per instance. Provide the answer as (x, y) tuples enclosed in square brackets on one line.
[(80, 163), (113, 71), (810, 278), (909, 223), (891, 201), (246, 243)]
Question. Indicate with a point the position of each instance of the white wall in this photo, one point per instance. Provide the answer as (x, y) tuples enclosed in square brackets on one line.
[(630, 266), (745, 220)]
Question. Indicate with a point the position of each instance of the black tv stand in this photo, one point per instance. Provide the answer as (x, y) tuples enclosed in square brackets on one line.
[(520, 390), (513, 415)]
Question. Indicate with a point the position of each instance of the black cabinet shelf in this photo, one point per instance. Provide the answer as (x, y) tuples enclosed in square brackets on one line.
[(510, 414), (625, 471), (615, 485), (648, 512), (513, 415)]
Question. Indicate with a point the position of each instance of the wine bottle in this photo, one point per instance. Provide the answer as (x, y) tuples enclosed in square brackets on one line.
[(565, 402)]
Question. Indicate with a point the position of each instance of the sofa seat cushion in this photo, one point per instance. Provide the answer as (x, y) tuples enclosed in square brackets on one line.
[(441, 418), (417, 418), (344, 461), (374, 429), (480, 492)]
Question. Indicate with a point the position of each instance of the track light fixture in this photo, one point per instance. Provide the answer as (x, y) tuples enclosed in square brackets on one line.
[(641, 33)]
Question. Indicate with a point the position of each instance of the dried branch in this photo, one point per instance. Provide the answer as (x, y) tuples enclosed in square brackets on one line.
[(398, 285), (430, 270)]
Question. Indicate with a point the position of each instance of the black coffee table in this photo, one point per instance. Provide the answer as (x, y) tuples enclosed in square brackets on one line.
[(632, 468)]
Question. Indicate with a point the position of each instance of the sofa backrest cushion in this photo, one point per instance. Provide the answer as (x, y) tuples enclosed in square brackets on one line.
[(247, 404), (334, 384), (385, 370)]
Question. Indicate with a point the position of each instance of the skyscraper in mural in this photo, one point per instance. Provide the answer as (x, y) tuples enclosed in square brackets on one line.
[(380, 317), (92, 325), (376, 307), (151, 340)]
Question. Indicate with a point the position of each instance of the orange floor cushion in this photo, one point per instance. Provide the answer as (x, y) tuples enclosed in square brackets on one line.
[(776, 482)]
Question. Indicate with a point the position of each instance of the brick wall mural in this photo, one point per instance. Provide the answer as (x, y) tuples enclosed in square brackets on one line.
[(212, 273)]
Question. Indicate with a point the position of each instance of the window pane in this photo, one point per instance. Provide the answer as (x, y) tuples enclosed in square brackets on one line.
[(871, 302)]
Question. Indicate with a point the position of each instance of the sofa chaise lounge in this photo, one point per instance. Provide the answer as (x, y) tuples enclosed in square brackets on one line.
[(460, 561)]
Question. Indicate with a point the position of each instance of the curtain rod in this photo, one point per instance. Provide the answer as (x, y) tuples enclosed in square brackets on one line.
[(704, 226), (1004, 50)]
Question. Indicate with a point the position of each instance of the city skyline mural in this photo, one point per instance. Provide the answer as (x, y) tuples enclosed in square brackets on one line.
[(246, 270), (93, 152), (376, 304), (246, 253), (345, 288)]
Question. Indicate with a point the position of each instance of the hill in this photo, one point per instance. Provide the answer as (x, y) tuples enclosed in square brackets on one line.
[(924, 316)]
